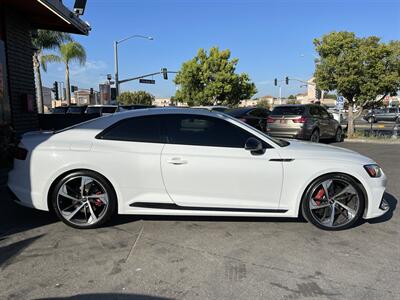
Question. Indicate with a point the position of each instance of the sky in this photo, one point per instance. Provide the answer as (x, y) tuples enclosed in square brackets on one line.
[(271, 39)]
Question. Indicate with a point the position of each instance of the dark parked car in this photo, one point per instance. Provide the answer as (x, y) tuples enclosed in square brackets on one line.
[(101, 109), (310, 122), (60, 110), (390, 114), (76, 110), (133, 106), (254, 116)]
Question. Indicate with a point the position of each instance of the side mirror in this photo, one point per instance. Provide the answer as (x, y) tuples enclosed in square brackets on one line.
[(255, 146)]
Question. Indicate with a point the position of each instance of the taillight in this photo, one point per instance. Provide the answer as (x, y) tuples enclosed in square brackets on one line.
[(20, 153), (300, 120), (270, 120)]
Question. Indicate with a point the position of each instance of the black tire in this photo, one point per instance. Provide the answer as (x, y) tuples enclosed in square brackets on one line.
[(338, 135), (397, 120), (314, 137), (109, 210), (305, 204)]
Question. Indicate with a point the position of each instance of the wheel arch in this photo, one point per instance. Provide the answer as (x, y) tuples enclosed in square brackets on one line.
[(65, 173), (354, 177)]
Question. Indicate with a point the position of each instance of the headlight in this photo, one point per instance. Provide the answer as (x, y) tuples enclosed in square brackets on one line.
[(373, 170)]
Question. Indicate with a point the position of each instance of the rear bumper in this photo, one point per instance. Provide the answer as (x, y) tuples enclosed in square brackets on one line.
[(296, 133)]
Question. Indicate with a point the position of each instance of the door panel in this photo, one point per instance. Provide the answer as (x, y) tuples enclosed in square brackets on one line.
[(221, 177)]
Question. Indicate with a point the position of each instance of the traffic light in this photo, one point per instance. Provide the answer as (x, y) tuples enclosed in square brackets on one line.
[(91, 91), (317, 93), (55, 90), (73, 88), (164, 73), (275, 82), (113, 93), (287, 80)]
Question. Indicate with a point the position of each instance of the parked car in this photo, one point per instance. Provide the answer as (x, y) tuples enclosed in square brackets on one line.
[(101, 109), (76, 110), (213, 108), (390, 114), (304, 121), (254, 116), (60, 110), (191, 162), (133, 106)]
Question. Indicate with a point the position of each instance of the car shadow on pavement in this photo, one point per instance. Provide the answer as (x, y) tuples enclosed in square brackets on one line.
[(15, 218), (8, 252), (107, 296)]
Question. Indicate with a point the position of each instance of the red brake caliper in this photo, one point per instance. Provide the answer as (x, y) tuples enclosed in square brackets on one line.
[(97, 201), (318, 196)]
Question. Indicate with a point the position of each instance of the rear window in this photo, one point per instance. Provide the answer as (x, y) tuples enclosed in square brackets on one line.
[(108, 110), (74, 110), (93, 110), (288, 110)]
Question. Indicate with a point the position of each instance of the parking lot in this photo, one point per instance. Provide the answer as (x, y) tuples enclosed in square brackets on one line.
[(203, 258)]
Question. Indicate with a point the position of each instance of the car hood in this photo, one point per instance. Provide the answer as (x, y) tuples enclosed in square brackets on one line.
[(300, 149)]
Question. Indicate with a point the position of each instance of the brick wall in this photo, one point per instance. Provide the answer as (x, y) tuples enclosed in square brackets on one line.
[(19, 52)]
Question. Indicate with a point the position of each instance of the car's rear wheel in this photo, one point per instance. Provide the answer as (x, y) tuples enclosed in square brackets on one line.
[(315, 136), (397, 120), (333, 202), (84, 199)]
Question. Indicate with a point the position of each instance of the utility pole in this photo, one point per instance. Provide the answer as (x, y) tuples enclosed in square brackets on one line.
[(116, 68), (117, 82)]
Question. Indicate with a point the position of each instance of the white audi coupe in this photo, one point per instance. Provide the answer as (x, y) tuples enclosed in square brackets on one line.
[(171, 161)]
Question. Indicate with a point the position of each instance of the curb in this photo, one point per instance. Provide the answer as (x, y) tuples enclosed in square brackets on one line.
[(388, 141)]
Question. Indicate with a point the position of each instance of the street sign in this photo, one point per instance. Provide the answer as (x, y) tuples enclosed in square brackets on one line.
[(148, 81), (340, 102)]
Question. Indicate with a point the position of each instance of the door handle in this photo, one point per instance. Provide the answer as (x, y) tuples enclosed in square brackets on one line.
[(177, 161)]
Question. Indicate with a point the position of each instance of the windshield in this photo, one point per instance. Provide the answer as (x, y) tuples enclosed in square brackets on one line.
[(288, 110)]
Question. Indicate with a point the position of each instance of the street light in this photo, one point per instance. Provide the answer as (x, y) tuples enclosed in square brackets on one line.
[(116, 56)]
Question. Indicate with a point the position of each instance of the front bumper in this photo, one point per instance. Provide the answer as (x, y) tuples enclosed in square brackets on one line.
[(376, 204)]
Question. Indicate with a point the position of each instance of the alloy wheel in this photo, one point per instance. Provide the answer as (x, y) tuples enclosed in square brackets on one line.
[(315, 136), (334, 203), (82, 200)]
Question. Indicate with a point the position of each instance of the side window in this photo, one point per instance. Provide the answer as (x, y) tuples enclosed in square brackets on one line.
[(324, 113), (392, 110), (144, 129), (314, 111), (204, 131)]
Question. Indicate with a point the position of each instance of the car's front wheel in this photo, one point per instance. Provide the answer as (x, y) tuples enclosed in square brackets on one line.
[(333, 202), (83, 199)]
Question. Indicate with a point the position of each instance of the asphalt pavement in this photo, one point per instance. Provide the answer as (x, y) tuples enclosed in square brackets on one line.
[(203, 258)]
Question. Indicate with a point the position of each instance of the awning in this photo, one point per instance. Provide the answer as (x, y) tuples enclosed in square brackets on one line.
[(49, 14)]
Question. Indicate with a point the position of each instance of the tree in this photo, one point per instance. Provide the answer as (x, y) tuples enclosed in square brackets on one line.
[(362, 70), (139, 97), (45, 39), (71, 51), (292, 97), (210, 78)]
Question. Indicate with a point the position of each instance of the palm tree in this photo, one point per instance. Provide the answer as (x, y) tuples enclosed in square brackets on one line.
[(71, 51), (45, 39)]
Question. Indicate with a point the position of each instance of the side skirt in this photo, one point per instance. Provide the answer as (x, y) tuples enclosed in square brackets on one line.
[(173, 206)]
